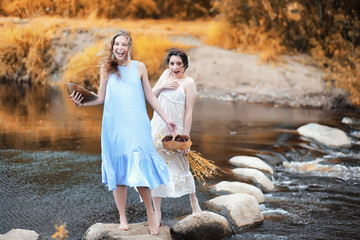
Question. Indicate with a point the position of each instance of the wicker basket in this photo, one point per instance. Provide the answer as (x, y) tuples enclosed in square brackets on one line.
[(180, 142)]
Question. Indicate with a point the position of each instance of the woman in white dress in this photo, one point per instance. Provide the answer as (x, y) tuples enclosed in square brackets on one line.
[(176, 93)]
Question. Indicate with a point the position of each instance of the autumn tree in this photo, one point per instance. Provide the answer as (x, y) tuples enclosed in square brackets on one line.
[(184, 9), (137, 9)]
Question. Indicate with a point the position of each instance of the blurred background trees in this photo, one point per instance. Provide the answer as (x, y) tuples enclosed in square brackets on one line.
[(326, 30), (139, 9)]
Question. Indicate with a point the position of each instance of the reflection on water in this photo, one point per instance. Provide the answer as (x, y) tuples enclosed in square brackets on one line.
[(50, 166), (44, 118)]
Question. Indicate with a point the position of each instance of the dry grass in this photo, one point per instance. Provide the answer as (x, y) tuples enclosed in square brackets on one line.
[(201, 167), (245, 39), (27, 50), (151, 49), (136, 9), (25, 53), (83, 68)]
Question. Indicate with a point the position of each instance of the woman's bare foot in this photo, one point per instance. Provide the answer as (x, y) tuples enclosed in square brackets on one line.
[(158, 217), (195, 206), (153, 223), (124, 224)]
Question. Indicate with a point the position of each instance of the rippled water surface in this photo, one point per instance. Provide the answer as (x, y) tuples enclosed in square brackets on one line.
[(50, 166)]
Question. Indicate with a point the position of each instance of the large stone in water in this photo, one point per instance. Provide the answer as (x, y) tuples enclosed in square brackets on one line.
[(100, 231), (209, 226), (255, 176), (240, 187), (251, 162), (243, 208), (20, 234), (331, 137)]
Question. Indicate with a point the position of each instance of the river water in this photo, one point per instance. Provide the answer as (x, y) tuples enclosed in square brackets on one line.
[(50, 166)]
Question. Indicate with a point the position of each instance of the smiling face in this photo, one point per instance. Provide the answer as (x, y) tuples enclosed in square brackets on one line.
[(176, 66), (121, 48)]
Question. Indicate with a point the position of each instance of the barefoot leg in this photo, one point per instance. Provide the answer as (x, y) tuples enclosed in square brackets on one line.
[(195, 205), (157, 207), (120, 200), (145, 194)]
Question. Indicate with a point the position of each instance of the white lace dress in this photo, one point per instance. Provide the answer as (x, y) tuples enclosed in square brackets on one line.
[(181, 179)]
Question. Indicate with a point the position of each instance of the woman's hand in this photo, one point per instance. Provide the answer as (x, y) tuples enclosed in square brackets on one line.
[(76, 97), (170, 85), (172, 127)]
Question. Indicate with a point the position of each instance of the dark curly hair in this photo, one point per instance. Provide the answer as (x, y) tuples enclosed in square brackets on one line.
[(180, 53)]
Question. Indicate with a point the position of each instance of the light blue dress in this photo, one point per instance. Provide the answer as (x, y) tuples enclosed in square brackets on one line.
[(128, 153)]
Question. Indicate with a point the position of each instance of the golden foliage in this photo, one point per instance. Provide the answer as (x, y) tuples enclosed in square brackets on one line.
[(223, 34), (142, 9), (29, 8), (184, 9), (180, 9), (25, 53), (83, 68), (151, 49), (27, 47), (243, 39)]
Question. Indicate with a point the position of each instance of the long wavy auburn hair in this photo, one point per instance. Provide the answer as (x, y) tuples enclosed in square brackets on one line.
[(108, 59)]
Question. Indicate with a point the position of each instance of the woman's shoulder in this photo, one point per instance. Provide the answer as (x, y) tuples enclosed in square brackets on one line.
[(139, 64), (189, 84), (189, 80), (164, 75)]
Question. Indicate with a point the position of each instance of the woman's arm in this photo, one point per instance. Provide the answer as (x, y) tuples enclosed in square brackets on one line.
[(190, 90), (151, 98), (162, 84), (157, 89), (76, 97)]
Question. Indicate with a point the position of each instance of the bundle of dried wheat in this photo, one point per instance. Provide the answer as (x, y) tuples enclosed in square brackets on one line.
[(202, 168)]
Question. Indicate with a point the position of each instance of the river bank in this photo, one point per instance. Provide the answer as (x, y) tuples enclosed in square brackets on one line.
[(226, 75), (294, 81)]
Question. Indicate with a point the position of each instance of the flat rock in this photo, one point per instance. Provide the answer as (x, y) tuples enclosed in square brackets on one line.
[(240, 187), (251, 162), (20, 234), (331, 137), (255, 176), (103, 231), (243, 208)]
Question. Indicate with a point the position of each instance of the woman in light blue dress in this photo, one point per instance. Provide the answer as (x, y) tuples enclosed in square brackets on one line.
[(128, 154)]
